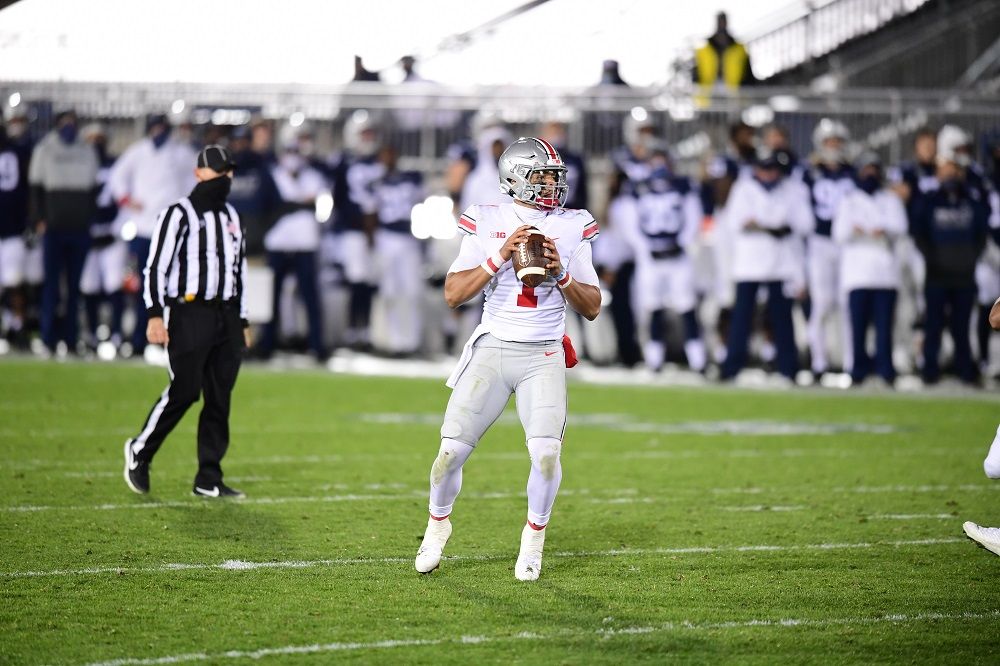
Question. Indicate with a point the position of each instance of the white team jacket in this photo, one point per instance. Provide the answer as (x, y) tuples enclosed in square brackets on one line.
[(867, 262), (758, 256), (152, 177)]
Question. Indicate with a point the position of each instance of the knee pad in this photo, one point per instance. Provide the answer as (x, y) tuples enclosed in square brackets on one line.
[(992, 468), (544, 452), (452, 454)]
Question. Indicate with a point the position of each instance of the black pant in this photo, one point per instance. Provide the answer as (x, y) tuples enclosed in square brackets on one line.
[(62, 251), (779, 307), (954, 305), (205, 350), (875, 307), (304, 265)]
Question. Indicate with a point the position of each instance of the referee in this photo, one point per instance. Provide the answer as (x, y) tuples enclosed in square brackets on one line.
[(197, 309)]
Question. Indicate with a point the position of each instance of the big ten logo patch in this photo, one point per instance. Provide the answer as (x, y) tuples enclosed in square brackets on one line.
[(498, 234)]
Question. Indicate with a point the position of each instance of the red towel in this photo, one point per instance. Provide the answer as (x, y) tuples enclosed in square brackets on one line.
[(571, 359)]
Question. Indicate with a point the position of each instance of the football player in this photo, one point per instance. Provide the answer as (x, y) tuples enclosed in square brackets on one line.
[(667, 218), (520, 346), (13, 227), (103, 276), (354, 220), (989, 537), (829, 180), (401, 284)]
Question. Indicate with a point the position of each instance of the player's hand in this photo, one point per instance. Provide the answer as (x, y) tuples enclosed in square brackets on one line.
[(552, 254), (519, 236), (156, 332), (247, 338)]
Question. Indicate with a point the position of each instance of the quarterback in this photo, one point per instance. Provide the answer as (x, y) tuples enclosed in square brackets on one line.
[(520, 346)]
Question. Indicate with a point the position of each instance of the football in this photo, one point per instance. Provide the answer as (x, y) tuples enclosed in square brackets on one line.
[(529, 259)]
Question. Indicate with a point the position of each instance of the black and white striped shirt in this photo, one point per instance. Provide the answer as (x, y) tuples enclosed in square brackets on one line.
[(195, 257)]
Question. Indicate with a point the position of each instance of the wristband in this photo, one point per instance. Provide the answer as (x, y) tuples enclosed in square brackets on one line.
[(492, 265), (564, 279)]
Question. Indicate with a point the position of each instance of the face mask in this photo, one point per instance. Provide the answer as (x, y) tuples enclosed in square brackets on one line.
[(951, 186), (768, 185), (68, 133), (870, 184), (217, 188), (292, 161), (16, 130), (160, 137)]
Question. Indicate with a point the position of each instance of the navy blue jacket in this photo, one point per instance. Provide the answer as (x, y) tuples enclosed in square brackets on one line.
[(950, 228)]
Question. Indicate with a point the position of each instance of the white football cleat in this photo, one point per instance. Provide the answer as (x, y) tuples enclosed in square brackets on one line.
[(529, 560), (432, 547), (987, 537)]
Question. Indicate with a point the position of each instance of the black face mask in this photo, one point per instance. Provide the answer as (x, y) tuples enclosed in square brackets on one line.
[(870, 184), (211, 194)]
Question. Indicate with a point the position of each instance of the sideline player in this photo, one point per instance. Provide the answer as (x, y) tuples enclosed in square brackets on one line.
[(520, 346), (989, 537)]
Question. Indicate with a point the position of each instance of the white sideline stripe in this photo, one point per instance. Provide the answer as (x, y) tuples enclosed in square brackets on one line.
[(241, 565), (684, 625)]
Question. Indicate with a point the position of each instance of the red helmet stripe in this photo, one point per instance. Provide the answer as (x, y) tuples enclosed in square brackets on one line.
[(553, 155)]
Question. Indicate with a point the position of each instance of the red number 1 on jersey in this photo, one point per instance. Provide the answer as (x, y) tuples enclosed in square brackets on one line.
[(527, 298)]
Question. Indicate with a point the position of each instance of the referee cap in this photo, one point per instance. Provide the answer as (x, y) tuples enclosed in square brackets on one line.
[(216, 158)]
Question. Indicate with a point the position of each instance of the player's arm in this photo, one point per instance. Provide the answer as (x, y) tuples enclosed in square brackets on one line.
[(583, 297), (461, 285), (995, 315)]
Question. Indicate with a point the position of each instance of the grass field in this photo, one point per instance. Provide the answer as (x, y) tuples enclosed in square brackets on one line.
[(693, 526)]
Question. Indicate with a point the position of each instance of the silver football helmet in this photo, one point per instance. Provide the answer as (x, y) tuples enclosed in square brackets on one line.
[(953, 144), (524, 165), (361, 133), (828, 129)]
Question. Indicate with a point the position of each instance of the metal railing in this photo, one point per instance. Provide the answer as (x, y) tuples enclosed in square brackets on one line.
[(424, 119)]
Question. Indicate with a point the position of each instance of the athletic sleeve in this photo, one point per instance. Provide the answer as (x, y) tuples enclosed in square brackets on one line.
[(581, 265), (161, 256), (467, 222), (470, 255), (590, 230)]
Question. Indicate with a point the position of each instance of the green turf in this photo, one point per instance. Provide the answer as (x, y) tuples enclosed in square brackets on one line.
[(644, 557)]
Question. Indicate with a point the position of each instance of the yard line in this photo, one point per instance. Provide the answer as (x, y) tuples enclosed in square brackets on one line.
[(604, 633), (912, 516), (200, 502), (242, 565), (764, 508)]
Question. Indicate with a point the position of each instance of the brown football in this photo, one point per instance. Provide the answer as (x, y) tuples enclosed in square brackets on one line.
[(529, 259)]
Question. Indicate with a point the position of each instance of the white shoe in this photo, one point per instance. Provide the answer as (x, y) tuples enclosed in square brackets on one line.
[(529, 560), (432, 547), (987, 537)]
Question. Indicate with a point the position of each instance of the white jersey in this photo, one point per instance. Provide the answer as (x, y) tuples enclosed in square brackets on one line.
[(514, 312), (867, 262)]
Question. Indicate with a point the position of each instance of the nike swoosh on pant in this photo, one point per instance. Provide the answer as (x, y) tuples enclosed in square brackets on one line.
[(214, 492), (550, 353)]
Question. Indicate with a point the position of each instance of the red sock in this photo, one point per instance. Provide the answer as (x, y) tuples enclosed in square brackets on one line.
[(441, 518), (537, 528)]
